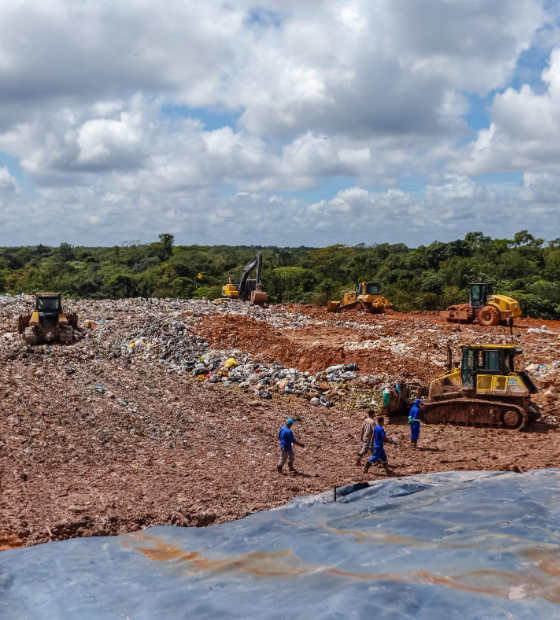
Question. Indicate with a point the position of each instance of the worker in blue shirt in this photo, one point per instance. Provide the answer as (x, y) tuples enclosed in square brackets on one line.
[(414, 421), (378, 456), (287, 438)]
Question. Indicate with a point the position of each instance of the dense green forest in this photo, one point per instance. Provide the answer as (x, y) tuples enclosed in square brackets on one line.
[(425, 278)]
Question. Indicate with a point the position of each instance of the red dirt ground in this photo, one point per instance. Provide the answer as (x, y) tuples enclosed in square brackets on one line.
[(75, 463)]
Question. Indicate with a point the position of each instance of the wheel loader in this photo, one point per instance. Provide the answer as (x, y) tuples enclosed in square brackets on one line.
[(484, 390), (485, 307), (48, 323), (248, 289), (367, 297)]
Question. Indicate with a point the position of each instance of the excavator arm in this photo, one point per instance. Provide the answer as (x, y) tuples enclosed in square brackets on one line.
[(255, 263)]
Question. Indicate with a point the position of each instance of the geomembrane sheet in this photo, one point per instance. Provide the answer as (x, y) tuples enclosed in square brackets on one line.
[(482, 545)]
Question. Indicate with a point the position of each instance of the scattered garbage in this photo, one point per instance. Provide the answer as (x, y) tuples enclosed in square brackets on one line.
[(545, 375), (156, 377), (542, 330)]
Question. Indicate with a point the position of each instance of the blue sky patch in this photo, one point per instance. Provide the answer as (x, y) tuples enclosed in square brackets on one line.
[(212, 119)]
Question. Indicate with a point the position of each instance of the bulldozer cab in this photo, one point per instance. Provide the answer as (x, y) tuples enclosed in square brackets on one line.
[(479, 292), (48, 304), (487, 360), (368, 288)]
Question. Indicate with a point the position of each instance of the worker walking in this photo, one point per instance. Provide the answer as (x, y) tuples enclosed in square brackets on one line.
[(287, 438), (366, 435), (414, 421), (378, 456)]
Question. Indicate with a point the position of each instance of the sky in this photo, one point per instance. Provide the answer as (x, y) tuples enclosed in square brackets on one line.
[(285, 122)]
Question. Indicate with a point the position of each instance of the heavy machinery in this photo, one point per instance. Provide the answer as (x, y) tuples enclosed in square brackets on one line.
[(248, 289), (484, 389), (367, 297), (488, 309), (48, 322)]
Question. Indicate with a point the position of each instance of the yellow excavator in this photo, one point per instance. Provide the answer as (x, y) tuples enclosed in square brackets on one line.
[(484, 306), (484, 390), (248, 289), (366, 297)]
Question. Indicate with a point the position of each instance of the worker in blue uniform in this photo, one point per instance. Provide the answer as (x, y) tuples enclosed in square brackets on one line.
[(414, 421), (287, 438), (378, 456)]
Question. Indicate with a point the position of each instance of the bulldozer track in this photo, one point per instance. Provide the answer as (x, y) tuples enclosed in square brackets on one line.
[(477, 413), (360, 305)]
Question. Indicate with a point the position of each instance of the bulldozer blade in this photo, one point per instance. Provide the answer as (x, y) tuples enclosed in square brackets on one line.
[(30, 336), (349, 307), (65, 335), (23, 322)]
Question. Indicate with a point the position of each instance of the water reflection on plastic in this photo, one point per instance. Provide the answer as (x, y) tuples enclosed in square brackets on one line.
[(451, 545)]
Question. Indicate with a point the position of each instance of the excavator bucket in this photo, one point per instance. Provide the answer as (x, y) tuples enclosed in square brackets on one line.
[(259, 297)]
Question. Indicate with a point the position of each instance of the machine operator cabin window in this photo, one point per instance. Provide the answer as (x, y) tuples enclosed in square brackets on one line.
[(48, 304), (475, 293), (490, 360), (372, 289)]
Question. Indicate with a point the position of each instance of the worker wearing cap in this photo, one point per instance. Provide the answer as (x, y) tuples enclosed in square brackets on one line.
[(287, 438), (378, 455), (414, 421)]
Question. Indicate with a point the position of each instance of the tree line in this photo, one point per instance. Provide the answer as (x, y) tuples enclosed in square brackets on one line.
[(425, 278)]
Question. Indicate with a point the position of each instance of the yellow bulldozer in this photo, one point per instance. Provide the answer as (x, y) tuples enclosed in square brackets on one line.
[(484, 306), (484, 390), (367, 297), (248, 289), (47, 322)]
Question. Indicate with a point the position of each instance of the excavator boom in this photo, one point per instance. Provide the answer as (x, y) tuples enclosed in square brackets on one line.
[(248, 289)]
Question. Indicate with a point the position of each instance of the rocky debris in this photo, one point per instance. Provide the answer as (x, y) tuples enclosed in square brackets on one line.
[(167, 411)]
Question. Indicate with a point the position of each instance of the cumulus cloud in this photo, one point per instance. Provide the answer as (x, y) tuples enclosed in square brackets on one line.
[(449, 208), (371, 92), (447, 211), (8, 183), (524, 134), (391, 66)]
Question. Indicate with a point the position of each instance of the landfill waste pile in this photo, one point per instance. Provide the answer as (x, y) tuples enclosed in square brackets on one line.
[(166, 411), (403, 548)]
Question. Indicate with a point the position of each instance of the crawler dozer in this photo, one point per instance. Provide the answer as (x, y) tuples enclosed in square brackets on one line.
[(483, 390), (47, 322), (248, 289), (485, 307), (366, 297)]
